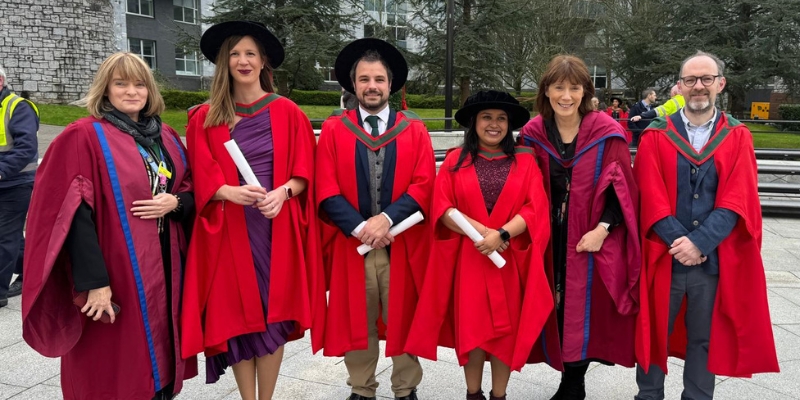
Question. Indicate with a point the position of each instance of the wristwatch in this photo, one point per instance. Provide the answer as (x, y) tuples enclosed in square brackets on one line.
[(504, 235), (288, 192)]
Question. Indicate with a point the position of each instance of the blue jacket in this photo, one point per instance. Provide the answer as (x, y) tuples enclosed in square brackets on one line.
[(696, 218), (23, 127)]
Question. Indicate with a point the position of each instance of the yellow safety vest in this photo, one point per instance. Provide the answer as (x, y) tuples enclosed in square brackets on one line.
[(7, 107)]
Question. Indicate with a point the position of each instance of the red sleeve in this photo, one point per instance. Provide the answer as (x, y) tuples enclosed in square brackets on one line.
[(326, 182), (51, 325), (424, 169), (202, 160)]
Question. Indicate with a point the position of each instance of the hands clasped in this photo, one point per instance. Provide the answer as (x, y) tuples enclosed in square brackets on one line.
[(491, 242), (376, 232), (686, 252)]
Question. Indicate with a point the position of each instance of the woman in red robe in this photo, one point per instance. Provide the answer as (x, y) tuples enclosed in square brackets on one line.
[(253, 275), (619, 112), (485, 312), (594, 253), (105, 226)]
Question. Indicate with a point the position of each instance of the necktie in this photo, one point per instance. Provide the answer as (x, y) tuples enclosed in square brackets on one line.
[(372, 120)]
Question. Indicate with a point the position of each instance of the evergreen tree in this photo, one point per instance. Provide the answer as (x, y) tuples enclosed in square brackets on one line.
[(311, 31)]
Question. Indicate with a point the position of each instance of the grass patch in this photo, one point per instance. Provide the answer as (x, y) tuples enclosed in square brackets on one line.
[(764, 136)]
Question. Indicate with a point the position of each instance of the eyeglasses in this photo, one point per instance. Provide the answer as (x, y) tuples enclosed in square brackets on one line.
[(706, 80)]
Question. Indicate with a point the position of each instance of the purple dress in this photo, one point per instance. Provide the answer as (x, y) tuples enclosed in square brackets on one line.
[(254, 137)]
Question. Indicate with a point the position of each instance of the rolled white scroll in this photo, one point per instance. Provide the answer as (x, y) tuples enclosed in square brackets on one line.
[(412, 220), (241, 163), (473, 234)]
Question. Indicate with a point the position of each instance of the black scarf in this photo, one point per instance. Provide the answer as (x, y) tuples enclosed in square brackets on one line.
[(144, 131)]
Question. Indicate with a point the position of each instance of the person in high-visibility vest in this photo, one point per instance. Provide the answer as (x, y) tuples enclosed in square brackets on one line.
[(19, 122), (675, 103)]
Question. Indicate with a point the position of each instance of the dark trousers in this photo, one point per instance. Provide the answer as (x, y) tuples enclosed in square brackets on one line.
[(14, 203), (700, 290)]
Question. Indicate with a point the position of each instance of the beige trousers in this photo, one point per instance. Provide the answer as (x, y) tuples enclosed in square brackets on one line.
[(361, 364)]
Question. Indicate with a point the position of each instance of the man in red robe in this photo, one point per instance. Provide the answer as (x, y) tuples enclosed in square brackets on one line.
[(375, 167), (703, 292)]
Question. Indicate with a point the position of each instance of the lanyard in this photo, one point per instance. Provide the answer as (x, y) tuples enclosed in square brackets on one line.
[(158, 170)]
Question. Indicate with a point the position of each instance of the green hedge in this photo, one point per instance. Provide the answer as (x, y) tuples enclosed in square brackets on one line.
[(789, 112), (316, 97), (181, 99), (424, 101)]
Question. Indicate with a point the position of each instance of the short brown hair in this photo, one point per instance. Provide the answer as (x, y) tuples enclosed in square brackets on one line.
[(370, 56), (129, 66), (569, 68)]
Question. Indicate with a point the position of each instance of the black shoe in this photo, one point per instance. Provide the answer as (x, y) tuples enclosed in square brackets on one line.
[(356, 396), (15, 289), (3, 303), (411, 396), (568, 391)]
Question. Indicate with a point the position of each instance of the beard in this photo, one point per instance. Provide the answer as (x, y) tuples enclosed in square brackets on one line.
[(700, 106), (373, 105)]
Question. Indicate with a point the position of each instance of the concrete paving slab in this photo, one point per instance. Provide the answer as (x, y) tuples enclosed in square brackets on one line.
[(39, 392), (778, 258), (782, 310), (781, 279), (789, 293), (10, 326), (745, 389), (793, 328), (22, 366), (9, 391)]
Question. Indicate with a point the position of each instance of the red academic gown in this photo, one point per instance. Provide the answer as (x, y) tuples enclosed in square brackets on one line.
[(622, 121), (346, 328), (92, 161), (601, 293), (467, 302), (741, 342), (221, 296)]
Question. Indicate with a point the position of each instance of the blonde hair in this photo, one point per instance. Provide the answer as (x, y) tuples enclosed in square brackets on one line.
[(129, 66), (221, 106)]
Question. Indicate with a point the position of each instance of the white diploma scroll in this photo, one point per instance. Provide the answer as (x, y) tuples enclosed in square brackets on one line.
[(241, 163), (473, 234), (412, 220)]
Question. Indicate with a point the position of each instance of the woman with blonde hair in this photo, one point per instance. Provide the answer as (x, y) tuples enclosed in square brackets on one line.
[(105, 244), (252, 278)]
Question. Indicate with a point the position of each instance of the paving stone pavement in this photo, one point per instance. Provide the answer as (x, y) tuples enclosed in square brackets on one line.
[(24, 374)]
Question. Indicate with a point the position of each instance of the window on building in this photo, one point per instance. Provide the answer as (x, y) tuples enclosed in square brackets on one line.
[(391, 16), (327, 72), (141, 7), (374, 5), (186, 11), (186, 62), (145, 49), (598, 76)]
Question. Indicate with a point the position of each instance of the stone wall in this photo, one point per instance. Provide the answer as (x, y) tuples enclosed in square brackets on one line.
[(52, 48)]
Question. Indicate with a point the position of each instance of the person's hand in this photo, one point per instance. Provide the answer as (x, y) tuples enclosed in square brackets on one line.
[(686, 252), (97, 302), (491, 242), (376, 232), (157, 207), (242, 195), (593, 240), (272, 204), (636, 118)]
